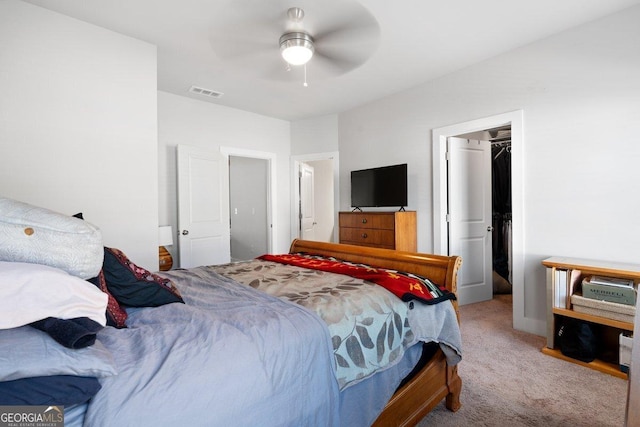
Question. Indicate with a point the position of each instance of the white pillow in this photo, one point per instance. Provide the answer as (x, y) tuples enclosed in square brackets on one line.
[(30, 292), (41, 236)]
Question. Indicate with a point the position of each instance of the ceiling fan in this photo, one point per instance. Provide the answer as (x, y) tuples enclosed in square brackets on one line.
[(296, 47), (254, 37)]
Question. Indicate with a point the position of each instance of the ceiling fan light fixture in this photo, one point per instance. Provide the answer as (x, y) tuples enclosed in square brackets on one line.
[(296, 48)]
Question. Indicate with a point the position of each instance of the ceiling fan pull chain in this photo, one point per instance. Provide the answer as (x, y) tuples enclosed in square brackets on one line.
[(305, 76)]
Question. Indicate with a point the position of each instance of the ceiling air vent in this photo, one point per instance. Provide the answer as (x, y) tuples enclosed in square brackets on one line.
[(205, 92)]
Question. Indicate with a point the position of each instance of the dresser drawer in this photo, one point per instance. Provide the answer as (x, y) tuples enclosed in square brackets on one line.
[(382, 221), (368, 236)]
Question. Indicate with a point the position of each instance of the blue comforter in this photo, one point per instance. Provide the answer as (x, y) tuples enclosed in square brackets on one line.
[(243, 358)]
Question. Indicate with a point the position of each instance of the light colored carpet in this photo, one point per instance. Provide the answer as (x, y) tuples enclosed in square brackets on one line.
[(507, 381)]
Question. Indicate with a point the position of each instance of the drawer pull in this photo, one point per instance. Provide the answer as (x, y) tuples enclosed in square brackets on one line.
[(364, 235), (364, 220)]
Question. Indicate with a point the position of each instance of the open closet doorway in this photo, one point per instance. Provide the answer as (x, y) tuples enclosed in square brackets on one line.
[(252, 221), (248, 207), (314, 197), (440, 202)]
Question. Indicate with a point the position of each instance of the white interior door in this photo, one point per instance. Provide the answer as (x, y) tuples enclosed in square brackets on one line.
[(307, 202), (203, 207), (469, 188)]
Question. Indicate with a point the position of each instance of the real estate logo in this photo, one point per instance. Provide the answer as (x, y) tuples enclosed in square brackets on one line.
[(31, 416)]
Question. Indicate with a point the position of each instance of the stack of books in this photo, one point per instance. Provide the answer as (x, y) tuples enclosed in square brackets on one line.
[(611, 289), (566, 282)]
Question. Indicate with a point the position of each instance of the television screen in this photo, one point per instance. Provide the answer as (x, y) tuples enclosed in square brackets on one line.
[(379, 187)]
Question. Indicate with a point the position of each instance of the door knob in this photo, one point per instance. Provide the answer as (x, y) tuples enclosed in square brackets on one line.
[(185, 232), (489, 229)]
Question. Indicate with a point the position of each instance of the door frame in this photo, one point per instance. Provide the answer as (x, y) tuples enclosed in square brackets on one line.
[(334, 156), (440, 229), (272, 231)]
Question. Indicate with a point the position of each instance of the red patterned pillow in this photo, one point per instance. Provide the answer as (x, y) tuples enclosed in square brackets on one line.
[(116, 316), (134, 286)]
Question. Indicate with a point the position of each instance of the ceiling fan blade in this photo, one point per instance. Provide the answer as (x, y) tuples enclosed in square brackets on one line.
[(322, 66), (243, 32), (354, 53), (349, 40), (353, 22), (348, 48)]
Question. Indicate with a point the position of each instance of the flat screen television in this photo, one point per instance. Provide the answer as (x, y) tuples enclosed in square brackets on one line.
[(379, 187)]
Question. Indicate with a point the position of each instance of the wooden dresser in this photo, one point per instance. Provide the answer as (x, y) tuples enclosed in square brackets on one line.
[(389, 230)]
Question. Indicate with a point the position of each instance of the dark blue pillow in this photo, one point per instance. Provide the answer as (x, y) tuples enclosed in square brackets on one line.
[(64, 390), (134, 286)]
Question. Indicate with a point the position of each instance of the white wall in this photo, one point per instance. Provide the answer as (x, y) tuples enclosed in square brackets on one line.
[(78, 128), (314, 140), (187, 121), (315, 135), (580, 94)]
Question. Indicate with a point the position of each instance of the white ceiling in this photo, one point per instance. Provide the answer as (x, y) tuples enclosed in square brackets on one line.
[(414, 41)]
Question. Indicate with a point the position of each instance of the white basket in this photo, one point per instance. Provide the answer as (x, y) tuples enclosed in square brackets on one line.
[(606, 309)]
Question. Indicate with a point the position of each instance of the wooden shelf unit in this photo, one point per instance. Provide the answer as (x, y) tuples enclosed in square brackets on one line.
[(598, 365), (556, 314), (387, 230)]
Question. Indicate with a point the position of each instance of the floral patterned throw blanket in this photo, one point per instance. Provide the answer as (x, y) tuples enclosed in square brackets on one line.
[(370, 328)]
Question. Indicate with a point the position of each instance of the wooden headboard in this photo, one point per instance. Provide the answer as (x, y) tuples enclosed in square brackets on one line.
[(443, 270)]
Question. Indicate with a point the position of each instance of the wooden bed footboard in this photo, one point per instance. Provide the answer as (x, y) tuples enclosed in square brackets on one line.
[(436, 380)]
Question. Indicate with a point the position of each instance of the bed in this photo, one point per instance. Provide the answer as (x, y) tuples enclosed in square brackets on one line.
[(234, 345)]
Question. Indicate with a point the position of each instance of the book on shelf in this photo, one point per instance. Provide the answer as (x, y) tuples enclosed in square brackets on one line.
[(611, 281), (626, 344), (612, 293), (560, 294), (574, 284)]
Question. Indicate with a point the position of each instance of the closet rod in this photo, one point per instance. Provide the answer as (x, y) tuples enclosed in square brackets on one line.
[(501, 143)]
